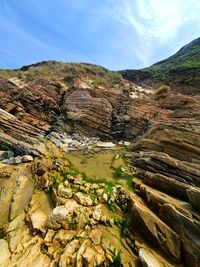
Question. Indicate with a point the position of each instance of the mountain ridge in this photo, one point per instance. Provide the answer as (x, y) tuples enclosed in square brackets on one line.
[(181, 70)]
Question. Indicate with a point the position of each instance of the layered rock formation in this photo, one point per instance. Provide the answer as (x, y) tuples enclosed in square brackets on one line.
[(170, 173), (52, 215)]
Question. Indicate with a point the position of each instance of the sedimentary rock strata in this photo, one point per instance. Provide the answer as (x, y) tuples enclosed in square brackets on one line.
[(54, 215)]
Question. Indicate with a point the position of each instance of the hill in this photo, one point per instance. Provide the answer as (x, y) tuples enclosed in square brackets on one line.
[(181, 70)]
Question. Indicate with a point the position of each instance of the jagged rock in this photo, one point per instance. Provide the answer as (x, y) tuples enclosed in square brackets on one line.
[(58, 230), (68, 254), (69, 216), (39, 210), (22, 194), (83, 200), (188, 230), (105, 197), (166, 184), (158, 162), (97, 213), (172, 139), (145, 222), (65, 192)]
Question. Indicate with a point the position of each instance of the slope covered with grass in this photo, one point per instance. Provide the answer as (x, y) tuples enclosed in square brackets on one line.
[(181, 70)]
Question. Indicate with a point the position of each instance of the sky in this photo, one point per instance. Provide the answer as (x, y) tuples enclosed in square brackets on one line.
[(117, 34)]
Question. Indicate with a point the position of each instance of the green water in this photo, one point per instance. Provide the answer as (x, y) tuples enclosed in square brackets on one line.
[(101, 166)]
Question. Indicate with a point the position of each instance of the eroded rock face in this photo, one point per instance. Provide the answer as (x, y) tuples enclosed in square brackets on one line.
[(167, 162), (20, 137), (88, 113), (50, 217)]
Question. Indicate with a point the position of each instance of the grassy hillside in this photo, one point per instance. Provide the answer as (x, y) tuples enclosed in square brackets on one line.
[(66, 71), (182, 69)]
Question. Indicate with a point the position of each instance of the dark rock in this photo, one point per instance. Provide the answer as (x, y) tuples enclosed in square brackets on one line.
[(6, 155), (194, 197)]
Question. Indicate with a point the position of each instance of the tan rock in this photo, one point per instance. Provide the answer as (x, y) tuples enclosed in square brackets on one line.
[(83, 200), (4, 253)]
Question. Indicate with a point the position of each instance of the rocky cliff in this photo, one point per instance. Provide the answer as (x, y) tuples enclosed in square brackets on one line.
[(53, 214)]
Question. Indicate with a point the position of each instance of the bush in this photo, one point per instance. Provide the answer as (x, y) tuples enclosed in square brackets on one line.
[(162, 89)]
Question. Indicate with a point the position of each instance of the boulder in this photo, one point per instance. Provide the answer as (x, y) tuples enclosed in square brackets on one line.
[(6, 154), (82, 199), (13, 161)]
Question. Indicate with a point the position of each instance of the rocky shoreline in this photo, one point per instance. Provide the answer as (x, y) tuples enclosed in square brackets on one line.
[(53, 214)]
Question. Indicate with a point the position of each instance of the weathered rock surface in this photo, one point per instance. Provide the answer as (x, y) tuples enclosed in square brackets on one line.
[(167, 162), (51, 216), (194, 197), (18, 136)]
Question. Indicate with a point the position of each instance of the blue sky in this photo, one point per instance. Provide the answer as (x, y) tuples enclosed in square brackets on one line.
[(116, 34)]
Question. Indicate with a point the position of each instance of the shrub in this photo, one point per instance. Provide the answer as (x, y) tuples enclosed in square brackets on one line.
[(162, 89)]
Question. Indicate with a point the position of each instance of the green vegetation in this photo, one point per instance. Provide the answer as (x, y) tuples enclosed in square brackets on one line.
[(181, 69), (116, 261), (162, 89), (66, 72), (44, 249), (119, 174)]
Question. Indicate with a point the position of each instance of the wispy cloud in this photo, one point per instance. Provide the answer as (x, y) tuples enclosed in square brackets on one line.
[(155, 21), (114, 33)]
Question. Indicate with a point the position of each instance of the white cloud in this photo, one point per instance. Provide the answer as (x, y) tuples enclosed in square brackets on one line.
[(154, 21), (155, 18)]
